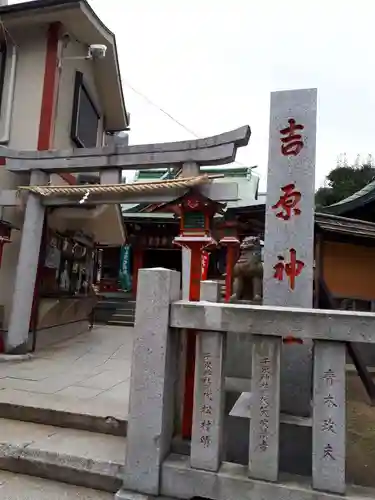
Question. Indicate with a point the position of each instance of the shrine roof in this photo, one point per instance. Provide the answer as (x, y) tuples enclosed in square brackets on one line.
[(245, 177), (159, 173), (153, 173), (356, 201), (257, 203), (149, 217), (345, 226), (328, 223)]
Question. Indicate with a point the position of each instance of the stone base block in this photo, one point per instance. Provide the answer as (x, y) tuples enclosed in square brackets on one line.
[(130, 495), (295, 442)]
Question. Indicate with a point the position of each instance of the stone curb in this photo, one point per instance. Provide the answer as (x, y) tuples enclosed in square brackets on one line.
[(129, 495), (79, 471), (63, 418), (6, 358)]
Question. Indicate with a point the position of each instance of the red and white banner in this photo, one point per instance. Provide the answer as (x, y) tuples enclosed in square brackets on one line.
[(205, 261)]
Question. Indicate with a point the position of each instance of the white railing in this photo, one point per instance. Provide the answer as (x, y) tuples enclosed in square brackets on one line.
[(159, 319)]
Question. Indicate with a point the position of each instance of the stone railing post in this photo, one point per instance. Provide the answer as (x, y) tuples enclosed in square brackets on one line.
[(152, 386), (329, 429), (265, 408), (209, 393)]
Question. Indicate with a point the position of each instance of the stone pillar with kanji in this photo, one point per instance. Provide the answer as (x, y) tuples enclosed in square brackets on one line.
[(289, 238)]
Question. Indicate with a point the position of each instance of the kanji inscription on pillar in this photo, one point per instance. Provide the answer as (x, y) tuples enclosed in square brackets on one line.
[(329, 416), (289, 270), (287, 204), (289, 230), (291, 140), (208, 402), (265, 410), (206, 410)]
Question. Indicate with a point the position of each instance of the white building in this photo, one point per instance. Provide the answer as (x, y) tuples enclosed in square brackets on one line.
[(55, 95)]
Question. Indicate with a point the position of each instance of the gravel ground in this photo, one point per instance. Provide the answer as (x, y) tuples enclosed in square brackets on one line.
[(360, 464)]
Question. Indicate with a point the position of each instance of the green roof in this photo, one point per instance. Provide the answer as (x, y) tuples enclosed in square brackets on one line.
[(148, 216), (362, 197), (158, 173), (246, 179), (153, 174)]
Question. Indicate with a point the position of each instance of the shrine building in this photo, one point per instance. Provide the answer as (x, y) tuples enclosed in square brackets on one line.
[(151, 230), (344, 238), (344, 246)]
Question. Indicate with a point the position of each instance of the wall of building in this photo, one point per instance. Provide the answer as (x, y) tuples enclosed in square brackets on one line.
[(66, 92), (349, 270), (24, 126), (24, 129), (25, 121)]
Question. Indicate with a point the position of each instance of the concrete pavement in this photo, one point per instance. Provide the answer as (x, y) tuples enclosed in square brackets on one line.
[(88, 373)]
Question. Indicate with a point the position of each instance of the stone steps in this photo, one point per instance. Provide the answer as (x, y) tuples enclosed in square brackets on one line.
[(77, 457), (120, 313), (21, 487), (60, 411), (124, 313), (122, 317), (120, 323)]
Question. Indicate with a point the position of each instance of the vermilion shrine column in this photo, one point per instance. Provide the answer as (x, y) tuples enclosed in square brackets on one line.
[(196, 213), (189, 169)]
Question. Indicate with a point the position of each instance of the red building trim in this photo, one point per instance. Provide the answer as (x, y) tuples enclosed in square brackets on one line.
[(47, 110), (46, 127), (48, 107)]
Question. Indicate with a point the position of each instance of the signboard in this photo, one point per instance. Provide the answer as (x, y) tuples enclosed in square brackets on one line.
[(124, 271), (194, 220)]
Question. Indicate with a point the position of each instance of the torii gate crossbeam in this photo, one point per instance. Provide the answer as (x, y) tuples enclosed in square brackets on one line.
[(109, 161), (215, 150)]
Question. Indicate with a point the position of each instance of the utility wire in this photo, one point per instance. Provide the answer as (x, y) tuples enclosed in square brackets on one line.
[(171, 117), (7, 33)]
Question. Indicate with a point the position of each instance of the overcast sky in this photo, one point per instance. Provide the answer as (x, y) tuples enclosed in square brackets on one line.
[(213, 63)]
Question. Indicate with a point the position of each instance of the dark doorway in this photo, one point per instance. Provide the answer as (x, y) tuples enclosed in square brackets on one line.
[(111, 262), (160, 257)]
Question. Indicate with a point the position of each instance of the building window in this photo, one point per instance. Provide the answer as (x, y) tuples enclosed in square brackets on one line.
[(85, 116), (91, 179), (8, 62), (3, 60)]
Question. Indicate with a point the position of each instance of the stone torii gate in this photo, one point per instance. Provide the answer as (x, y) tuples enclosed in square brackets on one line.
[(109, 161)]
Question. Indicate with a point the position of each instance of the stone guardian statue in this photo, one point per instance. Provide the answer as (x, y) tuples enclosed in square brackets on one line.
[(248, 272)]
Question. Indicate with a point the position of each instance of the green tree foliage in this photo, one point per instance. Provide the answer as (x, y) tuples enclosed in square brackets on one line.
[(345, 180)]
